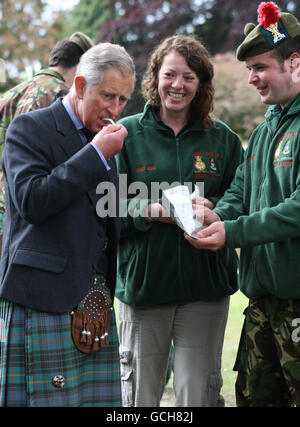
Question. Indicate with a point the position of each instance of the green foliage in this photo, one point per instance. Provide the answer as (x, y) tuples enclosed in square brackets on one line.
[(88, 16), (26, 37)]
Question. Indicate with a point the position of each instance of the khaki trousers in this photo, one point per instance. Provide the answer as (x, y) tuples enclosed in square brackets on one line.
[(146, 334)]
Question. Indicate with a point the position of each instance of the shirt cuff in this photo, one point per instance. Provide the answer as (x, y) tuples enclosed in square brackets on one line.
[(101, 156)]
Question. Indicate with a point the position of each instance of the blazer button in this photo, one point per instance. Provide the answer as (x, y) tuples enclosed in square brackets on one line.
[(58, 381)]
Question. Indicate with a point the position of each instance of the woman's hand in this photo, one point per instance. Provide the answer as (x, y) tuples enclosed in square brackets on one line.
[(156, 212)]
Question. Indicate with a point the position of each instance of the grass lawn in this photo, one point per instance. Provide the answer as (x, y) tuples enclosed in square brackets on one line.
[(238, 303)]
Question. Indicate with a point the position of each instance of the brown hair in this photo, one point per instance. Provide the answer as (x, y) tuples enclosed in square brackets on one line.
[(66, 54), (197, 58), (284, 50)]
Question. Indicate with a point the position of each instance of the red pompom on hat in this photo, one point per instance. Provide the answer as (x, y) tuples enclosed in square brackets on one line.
[(274, 27), (268, 14)]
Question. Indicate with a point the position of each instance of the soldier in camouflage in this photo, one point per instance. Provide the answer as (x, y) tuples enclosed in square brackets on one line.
[(269, 354), (44, 88)]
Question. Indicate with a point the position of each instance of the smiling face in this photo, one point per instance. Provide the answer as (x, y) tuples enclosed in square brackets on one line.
[(104, 100), (272, 80), (177, 85)]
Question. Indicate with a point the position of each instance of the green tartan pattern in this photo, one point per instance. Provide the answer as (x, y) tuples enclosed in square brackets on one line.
[(38, 347), (268, 360)]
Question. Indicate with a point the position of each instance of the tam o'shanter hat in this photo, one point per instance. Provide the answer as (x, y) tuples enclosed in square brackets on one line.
[(82, 40), (273, 28)]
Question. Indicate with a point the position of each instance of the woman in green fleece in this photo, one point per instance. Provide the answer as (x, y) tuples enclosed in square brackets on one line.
[(167, 291), (261, 214)]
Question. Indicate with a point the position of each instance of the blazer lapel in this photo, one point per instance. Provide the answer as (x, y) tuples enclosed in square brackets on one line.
[(72, 141)]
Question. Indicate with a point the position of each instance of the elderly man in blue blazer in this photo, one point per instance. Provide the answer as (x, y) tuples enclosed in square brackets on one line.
[(56, 250)]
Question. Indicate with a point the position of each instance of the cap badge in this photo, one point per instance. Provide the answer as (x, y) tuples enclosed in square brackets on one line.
[(268, 18), (277, 35)]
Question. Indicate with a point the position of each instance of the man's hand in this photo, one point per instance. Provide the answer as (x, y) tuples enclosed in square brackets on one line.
[(203, 209), (212, 238), (110, 139)]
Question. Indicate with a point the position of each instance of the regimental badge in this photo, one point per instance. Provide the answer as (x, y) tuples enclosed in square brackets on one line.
[(284, 151), (212, 164), (277, 35), (199, 164)]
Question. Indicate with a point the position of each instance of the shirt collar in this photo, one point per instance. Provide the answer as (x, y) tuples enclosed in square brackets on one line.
[(75, 119)]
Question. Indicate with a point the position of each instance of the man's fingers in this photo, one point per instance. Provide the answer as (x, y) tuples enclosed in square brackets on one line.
[(212, 238), (110, 129)]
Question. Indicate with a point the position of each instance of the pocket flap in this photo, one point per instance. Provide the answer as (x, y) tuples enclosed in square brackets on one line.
[(40, 260)]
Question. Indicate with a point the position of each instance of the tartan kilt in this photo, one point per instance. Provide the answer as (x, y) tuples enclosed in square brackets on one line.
[(37, 346)]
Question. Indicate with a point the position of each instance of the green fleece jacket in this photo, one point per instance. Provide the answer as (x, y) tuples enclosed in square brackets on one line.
[(156, 265), (263, 205)]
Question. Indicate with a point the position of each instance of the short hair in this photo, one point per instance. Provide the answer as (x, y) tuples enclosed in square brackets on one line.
[(65, 54), (198, 60), (99, 58), (284, 50)]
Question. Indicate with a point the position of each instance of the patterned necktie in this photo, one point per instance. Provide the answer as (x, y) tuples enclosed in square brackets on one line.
[(88, 134)]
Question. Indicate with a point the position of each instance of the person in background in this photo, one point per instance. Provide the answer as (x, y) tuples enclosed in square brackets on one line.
[(260, 214), (59, 344), (166, 290), (41, 91)]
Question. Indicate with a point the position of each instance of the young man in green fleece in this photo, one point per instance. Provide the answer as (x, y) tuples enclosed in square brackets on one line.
[(260, 213)]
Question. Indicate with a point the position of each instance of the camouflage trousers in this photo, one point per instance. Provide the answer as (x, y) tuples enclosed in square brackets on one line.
[(268, 359)]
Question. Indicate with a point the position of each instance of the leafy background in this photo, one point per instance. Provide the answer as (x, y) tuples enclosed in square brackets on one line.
[(30, 28)]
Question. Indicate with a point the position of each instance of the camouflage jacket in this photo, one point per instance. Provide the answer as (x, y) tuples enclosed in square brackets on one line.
[(43, 89)]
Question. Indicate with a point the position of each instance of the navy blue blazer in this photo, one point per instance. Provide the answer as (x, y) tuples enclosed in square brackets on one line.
[(52, 235)]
